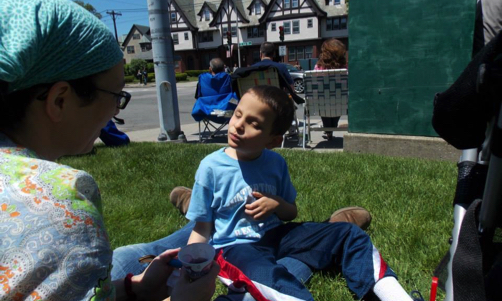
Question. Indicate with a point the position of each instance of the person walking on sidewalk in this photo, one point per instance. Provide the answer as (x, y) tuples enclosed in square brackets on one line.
[(145, 76)]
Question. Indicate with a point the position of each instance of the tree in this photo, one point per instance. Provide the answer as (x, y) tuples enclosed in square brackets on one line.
[(89, 8)]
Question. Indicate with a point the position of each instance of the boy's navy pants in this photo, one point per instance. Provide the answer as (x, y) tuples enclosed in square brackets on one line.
[(343, 246)]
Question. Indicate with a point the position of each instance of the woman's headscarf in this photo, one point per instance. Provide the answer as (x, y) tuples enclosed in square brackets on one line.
[(44, 41)]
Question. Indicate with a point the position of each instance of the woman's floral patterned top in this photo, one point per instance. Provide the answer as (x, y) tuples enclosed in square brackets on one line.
[(53, 243)]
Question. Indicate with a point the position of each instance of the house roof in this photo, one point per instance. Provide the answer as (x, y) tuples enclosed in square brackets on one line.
[(332, 11), (316, 5), (191, 11), (186, 8), (144, 30)]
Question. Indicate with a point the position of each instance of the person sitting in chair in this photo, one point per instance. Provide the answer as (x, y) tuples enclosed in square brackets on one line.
[(214, 82), (214, 95), (267, 52)]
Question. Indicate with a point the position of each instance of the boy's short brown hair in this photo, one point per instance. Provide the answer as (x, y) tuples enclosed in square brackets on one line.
[(281, 105)]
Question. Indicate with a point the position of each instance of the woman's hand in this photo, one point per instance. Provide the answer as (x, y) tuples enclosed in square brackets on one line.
[(152, 283), (201, 289)]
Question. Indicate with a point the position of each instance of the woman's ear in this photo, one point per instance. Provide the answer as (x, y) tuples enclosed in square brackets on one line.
[(57, 100)]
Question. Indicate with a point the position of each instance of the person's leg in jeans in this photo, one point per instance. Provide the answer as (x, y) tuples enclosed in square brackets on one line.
[(125, 259), (329, 122), (329, 245), (260, 265)]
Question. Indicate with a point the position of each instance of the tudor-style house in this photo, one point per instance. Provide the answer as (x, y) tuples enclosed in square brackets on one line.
[(199, 30)]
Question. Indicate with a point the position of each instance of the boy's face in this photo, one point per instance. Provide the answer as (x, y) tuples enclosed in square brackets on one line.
[(250, 127)]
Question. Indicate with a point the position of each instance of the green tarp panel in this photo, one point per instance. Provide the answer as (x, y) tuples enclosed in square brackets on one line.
[(402, 52)]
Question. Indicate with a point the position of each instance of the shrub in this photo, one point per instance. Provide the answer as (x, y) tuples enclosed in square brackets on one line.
[(181, 77), (150, 67), (137, 64), (127, 69), (129, 78)]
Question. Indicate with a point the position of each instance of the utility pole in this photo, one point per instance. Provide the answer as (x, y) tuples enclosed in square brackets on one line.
[(238, 40), (165, 78), (114, 13)]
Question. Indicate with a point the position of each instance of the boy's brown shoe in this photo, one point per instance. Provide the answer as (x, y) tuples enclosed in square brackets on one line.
[(355, 215), (180, 198)]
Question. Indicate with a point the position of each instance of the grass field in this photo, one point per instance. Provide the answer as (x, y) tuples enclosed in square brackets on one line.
[(410, 200)]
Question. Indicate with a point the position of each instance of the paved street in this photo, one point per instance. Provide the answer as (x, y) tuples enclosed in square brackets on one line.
[(142, 117), (142, 112)]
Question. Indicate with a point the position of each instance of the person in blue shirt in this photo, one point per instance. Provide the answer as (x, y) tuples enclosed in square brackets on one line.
[(243, 193)]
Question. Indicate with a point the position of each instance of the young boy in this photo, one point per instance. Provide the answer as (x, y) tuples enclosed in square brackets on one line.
[(243, 192)]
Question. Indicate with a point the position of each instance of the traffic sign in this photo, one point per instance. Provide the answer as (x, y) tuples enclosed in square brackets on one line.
[(246, 43), (282, 50)]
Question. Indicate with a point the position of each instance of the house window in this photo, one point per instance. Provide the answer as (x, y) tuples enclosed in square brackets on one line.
[(273, 27), (173, 17), (130, 49), (176, 41), (310, 23), (207, 15), (136, 36), (291, 54), (186, 36), (257, 8), (234, 31), (287, 27), (146, 47), (343, 23), (336, 23), (296, 27), (308, 51), (255, 32), (206, 36), (337, 2), (294, 3), (287, 3), (300, 53)]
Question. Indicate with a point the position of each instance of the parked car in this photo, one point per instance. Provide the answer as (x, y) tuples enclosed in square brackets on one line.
[(297, 76)]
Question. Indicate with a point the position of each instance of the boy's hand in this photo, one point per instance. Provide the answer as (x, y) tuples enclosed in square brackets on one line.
[(263, 207)]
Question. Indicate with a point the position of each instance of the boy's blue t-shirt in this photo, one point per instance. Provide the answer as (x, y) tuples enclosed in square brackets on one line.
[(224, 185)]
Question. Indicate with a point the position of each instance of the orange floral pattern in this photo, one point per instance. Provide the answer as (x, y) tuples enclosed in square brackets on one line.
[(54, 236)]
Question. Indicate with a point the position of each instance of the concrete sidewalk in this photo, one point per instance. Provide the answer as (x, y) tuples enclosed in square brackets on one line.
[(191, 132)]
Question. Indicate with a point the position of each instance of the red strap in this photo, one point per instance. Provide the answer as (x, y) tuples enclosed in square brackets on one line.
[(229, 271)]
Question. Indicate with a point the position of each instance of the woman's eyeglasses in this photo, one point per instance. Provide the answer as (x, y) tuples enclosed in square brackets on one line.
[(122, 98)]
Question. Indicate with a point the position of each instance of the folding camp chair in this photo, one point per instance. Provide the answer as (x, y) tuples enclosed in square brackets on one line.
[(326, 95), (214, 105), (246, 78)]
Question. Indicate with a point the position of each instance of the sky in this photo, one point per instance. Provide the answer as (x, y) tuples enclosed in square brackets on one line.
[(133, 12)]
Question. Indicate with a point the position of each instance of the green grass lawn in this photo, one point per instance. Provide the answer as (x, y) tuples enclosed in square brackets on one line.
[(410, 200)]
